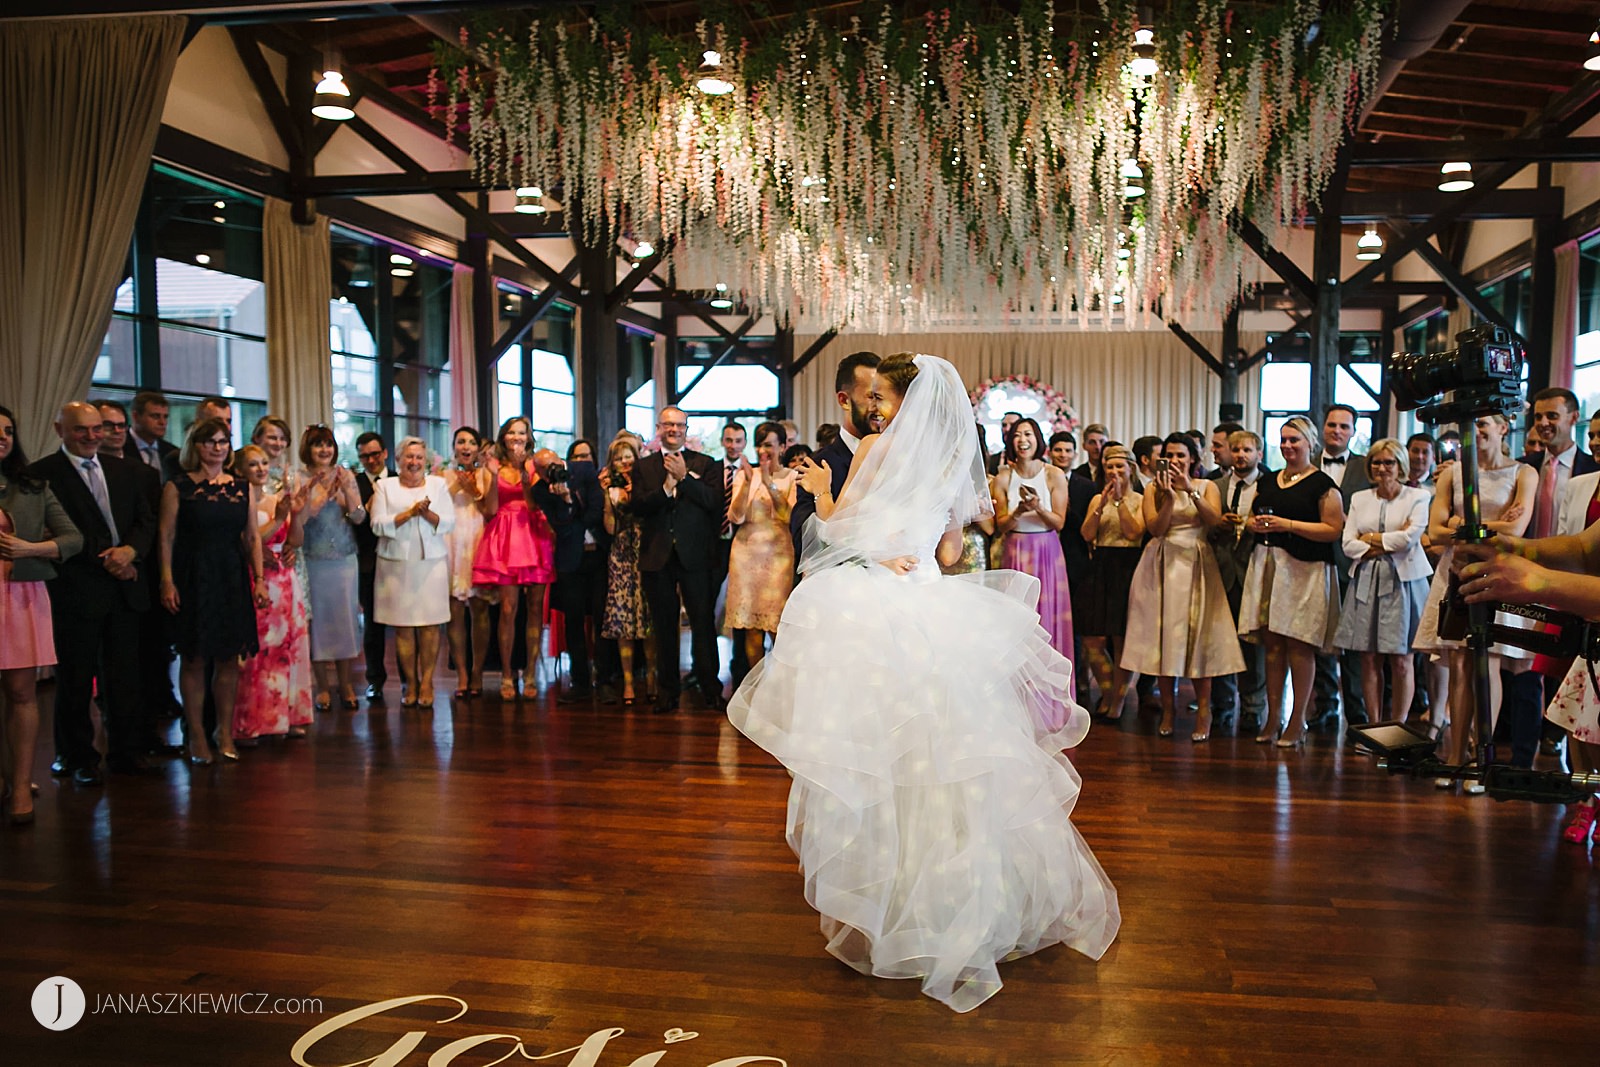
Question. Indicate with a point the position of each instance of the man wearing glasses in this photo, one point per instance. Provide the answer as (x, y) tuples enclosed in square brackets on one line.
[(374, 457), (678, 499), (97, 597)]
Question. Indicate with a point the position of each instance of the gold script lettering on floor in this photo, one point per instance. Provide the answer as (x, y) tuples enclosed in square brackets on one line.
[(555, 873)]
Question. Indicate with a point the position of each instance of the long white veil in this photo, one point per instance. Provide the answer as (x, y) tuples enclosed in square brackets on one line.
[(923, 473)]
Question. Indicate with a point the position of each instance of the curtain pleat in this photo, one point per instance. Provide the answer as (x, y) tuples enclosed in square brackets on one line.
[(80, 104), (298, 268), (1135, 382), (463, 354)]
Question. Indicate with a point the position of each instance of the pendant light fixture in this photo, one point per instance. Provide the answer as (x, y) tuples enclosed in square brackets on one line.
[(643, 250), (530, 201), (711, 79), (721, 301), (333, 98), (1455, 177), (1593, 60), (1144, 63), (1370, 245), (1132, 179)]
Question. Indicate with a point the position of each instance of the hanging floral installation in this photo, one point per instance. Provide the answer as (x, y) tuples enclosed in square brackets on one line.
[(886, 174)]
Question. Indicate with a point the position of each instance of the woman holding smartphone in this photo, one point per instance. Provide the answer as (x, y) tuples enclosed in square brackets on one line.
[(1030, 507)]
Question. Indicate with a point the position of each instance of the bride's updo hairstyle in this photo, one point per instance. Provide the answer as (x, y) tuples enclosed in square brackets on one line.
[(899, 370)]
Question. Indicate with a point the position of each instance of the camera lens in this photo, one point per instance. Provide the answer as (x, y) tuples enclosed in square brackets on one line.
[(1415, 377)]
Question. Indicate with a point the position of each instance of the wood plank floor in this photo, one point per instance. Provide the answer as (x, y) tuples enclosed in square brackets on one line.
[(568, 871)]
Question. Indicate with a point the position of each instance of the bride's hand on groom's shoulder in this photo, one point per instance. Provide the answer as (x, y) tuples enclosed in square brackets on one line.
[(815, 478)]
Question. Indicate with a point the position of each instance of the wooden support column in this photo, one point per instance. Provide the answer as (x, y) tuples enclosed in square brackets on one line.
[(599, 362), (1230, 357), (1540, 327), (1325, 274), (785, 352), (483, 328), (1382, 420)]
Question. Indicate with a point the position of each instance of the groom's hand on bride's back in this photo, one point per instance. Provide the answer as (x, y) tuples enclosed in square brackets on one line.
[(901, 564)]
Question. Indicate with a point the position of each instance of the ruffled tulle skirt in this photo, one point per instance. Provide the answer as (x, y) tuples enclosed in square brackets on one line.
[(923, 720)]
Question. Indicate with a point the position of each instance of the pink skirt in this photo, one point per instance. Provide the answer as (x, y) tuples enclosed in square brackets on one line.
[(518, 548), (26, 638), (1039, 554)]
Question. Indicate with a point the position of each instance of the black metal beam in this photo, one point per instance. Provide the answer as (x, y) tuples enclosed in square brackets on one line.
[(734, 345), (393, 184), (1281, 264), (549, 224), (532, 313), (637, 276), (1458, 283), (266, 86), (734, 339), (1426, 203), (1197, 348), (811, 352), (1523, 150)]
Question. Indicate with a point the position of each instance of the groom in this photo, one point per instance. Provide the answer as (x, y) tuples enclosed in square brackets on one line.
[(852, 384)]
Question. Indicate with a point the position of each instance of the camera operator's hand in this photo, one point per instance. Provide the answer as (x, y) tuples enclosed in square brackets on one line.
[(1490, 574)]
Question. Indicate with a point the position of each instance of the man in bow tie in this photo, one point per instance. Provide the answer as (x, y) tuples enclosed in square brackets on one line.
[(1341, 673), (97, 597)]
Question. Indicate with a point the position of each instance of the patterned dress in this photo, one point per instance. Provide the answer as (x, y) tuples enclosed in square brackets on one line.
[(275, 683), (627, 616), (760, 565), (216, 616)]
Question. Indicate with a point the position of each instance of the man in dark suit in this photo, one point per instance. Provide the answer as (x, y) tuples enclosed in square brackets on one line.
[(679, 506), (1233, 542), (1095, 436), (1080, 493), (155, 650), (733, 445), (374, 457), (96, 597), (852, 390), (1340, 673), (1008, 420), (147, 434), (571, 498)]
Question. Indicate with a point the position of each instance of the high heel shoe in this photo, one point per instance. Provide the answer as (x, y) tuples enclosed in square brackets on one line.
[(348, 699), (1164, 729), (18, 818), (1201, 734), (323, 702), (1580, 826), (230, 754), (1298, 742), (508, 689)]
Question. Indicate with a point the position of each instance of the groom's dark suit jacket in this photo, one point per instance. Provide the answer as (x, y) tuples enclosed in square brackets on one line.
[(837, 456)]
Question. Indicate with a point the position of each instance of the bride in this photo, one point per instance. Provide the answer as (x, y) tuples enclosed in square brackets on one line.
[(923, 719)]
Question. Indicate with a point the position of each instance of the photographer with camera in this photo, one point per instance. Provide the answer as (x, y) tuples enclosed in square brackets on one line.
[(570, 497), (1561, 573)]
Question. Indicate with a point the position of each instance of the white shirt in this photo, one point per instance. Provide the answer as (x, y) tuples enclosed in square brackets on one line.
[(1335, 470), (1247, 495), (77, 465), (851, 441), (1563, 473)]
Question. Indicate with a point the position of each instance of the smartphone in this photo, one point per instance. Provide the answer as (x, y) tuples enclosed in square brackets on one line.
[(1163, 465)]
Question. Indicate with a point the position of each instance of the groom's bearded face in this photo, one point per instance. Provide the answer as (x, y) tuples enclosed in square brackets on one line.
[(859, 403)]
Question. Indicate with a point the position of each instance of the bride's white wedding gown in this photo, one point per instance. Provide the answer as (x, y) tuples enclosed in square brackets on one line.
[(923, 719)]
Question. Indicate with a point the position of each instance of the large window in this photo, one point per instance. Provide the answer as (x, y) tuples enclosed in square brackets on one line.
[(1286, 385), (1586, 379), (534, 377)]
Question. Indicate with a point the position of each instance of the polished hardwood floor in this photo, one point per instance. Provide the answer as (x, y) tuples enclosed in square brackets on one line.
[(569, 871)]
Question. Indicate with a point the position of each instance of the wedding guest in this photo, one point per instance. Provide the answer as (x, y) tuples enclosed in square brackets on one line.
[(156, 697), (1007, 421), (723, 473), (472, 501), (792, 456), (581, 451), (412, 515), (1199, 472), (827, 434), (147, 437), (1506, 491), (274, 694), (272, 435), (97, 598), (1388, 577), (626, 618), (1291, 591), (680, 510), (1574, 704), (1179, 625), (791, 433), (334, 515), (761, 566), (1419, 461), (211, 407), (1080, 491), (1145, 454), (570, 499), (1221, 453), (1030, 507), (1114, 527), (513, 559), (212, 580), (1433, 692), (1338, 674), (974, 554), (35, 534), (1234, 543), (1063, 452), (1095, 437), (373, 456)]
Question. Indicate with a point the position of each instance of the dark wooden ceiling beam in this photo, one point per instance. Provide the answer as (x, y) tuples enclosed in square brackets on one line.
[(1555, 24), (391, 184), (1426, 203), (1444, 65), (1507, 150), (1509, 118), (1413, 87)]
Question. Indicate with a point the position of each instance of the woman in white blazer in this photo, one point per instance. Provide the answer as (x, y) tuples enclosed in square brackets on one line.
[(411, 514), (1389, 577)]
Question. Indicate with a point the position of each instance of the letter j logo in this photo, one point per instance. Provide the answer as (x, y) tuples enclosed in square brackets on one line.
[(58, 1003)]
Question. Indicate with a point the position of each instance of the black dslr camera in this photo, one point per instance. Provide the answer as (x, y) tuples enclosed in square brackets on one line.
[(557, 474), (1481, 376)]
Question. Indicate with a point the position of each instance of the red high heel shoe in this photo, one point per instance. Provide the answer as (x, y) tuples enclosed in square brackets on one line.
[(1581, 825)]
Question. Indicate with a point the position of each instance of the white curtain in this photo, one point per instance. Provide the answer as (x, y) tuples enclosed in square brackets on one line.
[(298, 268), (80, 104), (463, 354), (1135, 382), (1564, 328)]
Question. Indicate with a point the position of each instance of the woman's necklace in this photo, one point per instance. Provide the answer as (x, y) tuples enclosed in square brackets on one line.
[(1293, 478)]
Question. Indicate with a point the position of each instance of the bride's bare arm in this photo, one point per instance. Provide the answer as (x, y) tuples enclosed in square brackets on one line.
[(951, 544), (816, 479)]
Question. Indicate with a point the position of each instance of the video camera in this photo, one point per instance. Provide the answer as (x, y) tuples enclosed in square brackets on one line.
[(1481, 376)]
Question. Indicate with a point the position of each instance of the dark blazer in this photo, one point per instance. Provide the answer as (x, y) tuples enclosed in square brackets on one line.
[(685, 524), (82, 581), (36, 515), (1582, 462), (366, 540), (1080, 494), (838, 457), (164, 448), (1355, 479), (570, 519)]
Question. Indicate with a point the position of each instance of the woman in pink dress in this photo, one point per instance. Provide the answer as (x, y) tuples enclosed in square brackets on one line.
[(761, 559), (275, 684), (34, 530), (513, 555)]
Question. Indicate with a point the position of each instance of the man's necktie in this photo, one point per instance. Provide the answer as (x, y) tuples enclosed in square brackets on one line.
[(1238, 491), (1544, 506), (727, 499), (151, 456), (102, 499)]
